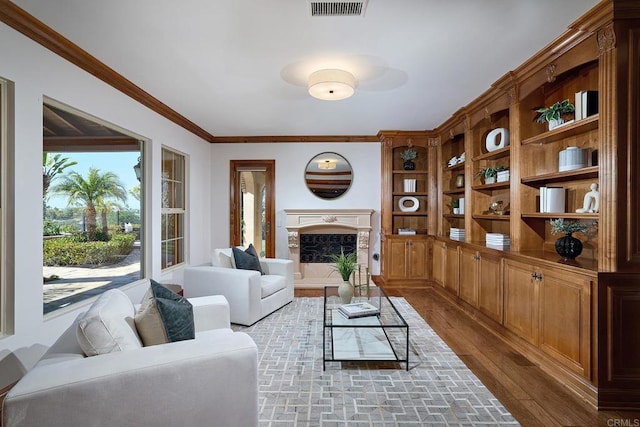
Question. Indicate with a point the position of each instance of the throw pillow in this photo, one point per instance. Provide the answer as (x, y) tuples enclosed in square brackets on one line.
[(164, 316), (247, 259), (108, 325)]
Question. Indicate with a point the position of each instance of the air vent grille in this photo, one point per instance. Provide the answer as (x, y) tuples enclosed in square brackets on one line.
[(337, 8)]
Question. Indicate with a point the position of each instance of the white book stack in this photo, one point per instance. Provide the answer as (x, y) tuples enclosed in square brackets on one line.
[(498, 241), (552, 199), (456, 233), (586, 104), (461, 205)]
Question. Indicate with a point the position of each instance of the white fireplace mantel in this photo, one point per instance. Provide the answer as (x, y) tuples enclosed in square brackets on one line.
[(330, 221)]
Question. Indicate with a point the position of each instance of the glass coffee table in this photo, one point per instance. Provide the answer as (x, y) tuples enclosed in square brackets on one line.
[(378, 338)]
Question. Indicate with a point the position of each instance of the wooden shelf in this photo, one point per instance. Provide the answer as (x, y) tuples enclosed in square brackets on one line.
[(454, 216), (417, 213), (496, 154), (456, 167), (456, 191), (553, 215), (537, 181), (415, 172), (492, 217), (489, 187), (562, 132), (411, 193)]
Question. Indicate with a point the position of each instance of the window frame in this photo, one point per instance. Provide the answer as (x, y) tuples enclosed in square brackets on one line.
[(181, 212), (7, 233)]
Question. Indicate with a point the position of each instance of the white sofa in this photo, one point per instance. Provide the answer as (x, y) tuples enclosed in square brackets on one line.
[(209, 380), (251, 295)]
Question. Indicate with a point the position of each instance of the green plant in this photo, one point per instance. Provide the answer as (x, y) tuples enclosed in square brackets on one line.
[(567, 227), (344, 264), (408, 154), (455, 203), (555, 112), (489, 172)]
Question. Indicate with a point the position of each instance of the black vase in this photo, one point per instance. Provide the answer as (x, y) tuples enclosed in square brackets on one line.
[(568, 247), (409, 165)]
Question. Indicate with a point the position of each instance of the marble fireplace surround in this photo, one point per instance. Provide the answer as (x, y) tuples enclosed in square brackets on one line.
[(326, 221)]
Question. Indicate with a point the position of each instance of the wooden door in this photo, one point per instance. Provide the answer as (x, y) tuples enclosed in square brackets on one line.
[(451, 269), (490, 286), (396, 258), (439, 256), (469, 276), (521, 290), (417, 255), (252, 205), (565, 319)]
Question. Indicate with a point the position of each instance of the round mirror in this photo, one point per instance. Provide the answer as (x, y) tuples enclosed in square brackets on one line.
[(328, 175)]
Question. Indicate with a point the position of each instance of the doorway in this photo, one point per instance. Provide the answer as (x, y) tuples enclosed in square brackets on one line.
[(252, 205)]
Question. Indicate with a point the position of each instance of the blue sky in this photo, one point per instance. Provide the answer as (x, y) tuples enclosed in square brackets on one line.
[(120, 163)]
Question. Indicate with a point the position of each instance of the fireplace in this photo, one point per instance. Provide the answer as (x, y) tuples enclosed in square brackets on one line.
[(315, 233)]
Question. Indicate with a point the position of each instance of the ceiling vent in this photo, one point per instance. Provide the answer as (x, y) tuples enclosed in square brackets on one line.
[(337, 8)]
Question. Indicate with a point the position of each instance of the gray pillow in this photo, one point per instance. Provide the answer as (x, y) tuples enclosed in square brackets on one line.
[(247, 259), (164, 316)]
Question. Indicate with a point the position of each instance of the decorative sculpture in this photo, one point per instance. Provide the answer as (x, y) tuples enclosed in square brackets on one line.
[(591, 202)]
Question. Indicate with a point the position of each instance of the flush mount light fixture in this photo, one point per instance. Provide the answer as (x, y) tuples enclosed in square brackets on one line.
[(331, 85)]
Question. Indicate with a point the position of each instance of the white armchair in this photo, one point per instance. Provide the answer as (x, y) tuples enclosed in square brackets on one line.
[(210, 379), (251, 295)]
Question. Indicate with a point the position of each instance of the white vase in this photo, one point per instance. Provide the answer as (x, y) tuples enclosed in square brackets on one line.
[(345, 290), (490, 180), (456, 211), (553, 123)]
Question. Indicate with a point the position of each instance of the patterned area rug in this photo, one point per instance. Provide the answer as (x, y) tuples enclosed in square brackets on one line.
[(438, 389)]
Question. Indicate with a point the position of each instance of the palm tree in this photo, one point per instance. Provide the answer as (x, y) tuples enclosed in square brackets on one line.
[(105, 206), (91, 191), (51, 167)]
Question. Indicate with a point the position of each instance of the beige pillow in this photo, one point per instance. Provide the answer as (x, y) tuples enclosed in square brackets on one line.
[(108, 325)]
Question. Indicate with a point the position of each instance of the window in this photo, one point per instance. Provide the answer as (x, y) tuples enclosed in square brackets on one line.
[(173, 208), (93, 209)]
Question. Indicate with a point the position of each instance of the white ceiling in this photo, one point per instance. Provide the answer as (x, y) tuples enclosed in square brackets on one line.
[(239, 67)]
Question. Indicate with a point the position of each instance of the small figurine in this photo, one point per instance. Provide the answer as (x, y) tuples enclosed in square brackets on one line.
[(461, 159), (591, 202), (453, 161)]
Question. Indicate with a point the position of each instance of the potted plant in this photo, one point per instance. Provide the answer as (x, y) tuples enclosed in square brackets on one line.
[(489, 174), (455, 206), (345, 265), (554, 114), (408, 156), (567, 246)]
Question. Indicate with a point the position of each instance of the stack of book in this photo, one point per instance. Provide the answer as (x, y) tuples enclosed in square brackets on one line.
[(586, 104), (552, 199), (406, 231), (358, 309), (498, 241), (456, 233)]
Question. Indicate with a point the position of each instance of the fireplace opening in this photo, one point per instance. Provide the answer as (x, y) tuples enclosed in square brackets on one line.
[(316, 248)]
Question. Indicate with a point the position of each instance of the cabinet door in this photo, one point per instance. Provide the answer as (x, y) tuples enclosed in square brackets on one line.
[(521, 300), (396, 258), (417, 256), (469, 276), (565, 319), (451, 269), (490, 286), (439, 256)]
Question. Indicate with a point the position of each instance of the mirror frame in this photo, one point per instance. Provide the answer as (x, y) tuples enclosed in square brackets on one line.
[(337, 170)]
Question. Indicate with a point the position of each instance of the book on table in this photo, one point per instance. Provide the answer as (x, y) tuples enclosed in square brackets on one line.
[(358, 309)]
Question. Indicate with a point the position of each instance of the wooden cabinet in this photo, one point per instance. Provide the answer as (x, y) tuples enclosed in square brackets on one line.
[(521, 295), (407, 258), (481, 281), (451, 268), (406, 205), (439, 256), (551, 309)]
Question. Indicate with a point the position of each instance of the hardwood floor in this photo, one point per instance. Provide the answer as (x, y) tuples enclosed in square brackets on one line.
[(533, 397)]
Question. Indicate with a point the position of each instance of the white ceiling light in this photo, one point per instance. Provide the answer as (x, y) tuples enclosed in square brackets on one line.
[(331, 85)]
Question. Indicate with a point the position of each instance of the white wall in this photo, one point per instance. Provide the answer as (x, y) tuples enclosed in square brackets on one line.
[(37, 72), (291, 191)]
